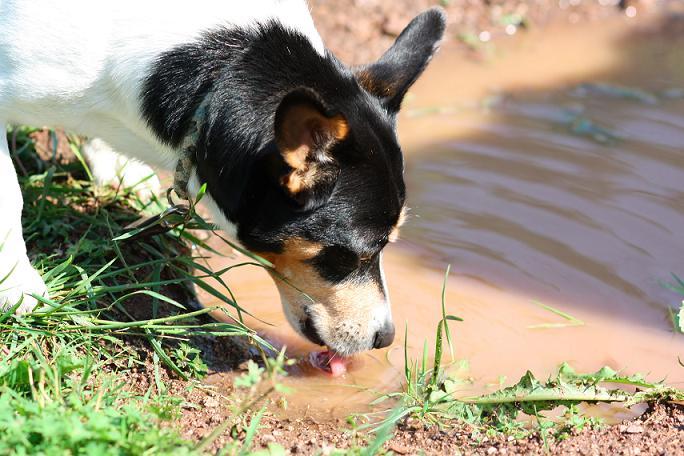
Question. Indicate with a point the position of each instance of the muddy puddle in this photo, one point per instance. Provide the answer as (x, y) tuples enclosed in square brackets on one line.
[(541, 182)]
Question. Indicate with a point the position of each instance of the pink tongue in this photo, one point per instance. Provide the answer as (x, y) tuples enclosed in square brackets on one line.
[(338, 366), (330, 361)]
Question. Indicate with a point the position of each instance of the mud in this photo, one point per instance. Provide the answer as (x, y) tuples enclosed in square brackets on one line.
[(658, 432)]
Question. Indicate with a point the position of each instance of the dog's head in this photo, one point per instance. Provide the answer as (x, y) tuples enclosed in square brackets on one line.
[(329, 194)]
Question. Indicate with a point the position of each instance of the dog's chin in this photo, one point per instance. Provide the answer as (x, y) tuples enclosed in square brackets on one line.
[(346, 350), (343, 348)]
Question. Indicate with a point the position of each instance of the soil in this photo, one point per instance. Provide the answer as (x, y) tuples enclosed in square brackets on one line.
[(44, 140), (659, 431), (359, 31)]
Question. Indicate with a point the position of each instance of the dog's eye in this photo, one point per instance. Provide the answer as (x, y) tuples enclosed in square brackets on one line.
[(335, 263)]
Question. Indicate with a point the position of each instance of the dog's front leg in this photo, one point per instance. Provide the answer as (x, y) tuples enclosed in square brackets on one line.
[(112, 169), (18, 279)]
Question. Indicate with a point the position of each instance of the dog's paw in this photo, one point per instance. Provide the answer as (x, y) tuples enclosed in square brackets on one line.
[(19, 285), (112, 169)]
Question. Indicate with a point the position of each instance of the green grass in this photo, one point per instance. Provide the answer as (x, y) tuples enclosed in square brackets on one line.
[(570, 320), (55, 402), (115, 306), (120, 300)]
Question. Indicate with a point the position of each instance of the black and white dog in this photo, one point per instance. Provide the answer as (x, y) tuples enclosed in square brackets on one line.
[(299, 153)]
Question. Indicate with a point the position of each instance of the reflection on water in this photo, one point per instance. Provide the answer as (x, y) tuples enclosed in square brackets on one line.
[(570, 198), (527, 204)]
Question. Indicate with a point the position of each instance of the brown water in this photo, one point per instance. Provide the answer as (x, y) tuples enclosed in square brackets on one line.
[(527, 212)]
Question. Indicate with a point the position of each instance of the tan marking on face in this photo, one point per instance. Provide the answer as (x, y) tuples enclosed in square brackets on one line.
[(353, 301), (339, 127), (296, 156), (301, 179), (306, 136), (291, 261), (300, 277), (342, 312), (350, 315), (291, 265), (394, 234)]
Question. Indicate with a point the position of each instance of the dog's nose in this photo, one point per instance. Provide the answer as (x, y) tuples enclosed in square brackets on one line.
[(384, 337)]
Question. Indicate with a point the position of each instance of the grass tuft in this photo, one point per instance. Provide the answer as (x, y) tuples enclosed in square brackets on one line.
[(432, 396), (118, 304)]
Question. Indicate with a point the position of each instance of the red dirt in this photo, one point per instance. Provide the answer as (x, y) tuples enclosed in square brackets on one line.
[(359, 31), (660, 431)]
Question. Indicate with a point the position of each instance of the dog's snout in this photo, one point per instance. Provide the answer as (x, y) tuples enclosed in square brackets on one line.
[(384, 337)]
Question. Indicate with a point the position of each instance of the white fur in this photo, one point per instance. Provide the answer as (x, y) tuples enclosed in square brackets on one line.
[(110, 168), (80, 64), (18, 279)]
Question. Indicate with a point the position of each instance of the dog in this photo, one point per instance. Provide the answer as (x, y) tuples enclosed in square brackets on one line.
[(298, 152)]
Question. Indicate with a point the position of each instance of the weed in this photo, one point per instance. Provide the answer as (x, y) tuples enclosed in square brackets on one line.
[(188, 360), (569, 319), (421, 396), (583, 126), (573, 420), (678, 319), (471, 40), (593, 89), (430, 395), (54, 399), (253, 387), (515, 19)]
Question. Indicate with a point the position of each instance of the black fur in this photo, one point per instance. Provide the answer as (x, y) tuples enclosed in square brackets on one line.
[(390, 77), (247, 74)]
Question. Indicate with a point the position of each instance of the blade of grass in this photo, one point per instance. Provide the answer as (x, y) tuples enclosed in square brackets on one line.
[(570, 320)]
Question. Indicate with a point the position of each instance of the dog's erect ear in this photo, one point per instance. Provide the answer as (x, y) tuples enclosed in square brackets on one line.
[(305, 133), (390, 77)]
